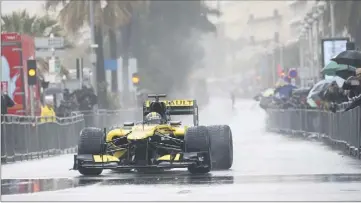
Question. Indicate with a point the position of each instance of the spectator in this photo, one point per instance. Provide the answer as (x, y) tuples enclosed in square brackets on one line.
[(86, 98), (6, 102), (47, 111), (353, 85)]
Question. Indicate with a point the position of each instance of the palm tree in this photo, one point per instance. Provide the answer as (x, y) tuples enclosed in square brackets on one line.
[(22, 22), (114, 14)]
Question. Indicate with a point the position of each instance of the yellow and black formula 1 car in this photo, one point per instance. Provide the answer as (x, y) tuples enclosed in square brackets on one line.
[(164, 145)]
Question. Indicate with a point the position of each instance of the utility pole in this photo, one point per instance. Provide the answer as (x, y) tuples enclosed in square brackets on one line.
[(302, 63), (92, 45), (274, 68), (332, 17), (126, 38)]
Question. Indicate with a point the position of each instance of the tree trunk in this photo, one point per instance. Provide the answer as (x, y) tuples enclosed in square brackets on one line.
[(100, 71), (113, 56), (125, 66)]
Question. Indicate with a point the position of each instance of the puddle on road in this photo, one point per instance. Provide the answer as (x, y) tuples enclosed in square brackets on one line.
[(21, 186)]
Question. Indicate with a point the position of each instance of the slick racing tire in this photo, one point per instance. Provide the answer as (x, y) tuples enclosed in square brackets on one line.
[(90, 142), (222, 146), (196, 139)]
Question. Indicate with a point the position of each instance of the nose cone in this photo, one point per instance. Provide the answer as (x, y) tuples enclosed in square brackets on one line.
[(141, 132)]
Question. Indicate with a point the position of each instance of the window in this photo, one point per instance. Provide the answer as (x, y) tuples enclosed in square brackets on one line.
[(275, 13)]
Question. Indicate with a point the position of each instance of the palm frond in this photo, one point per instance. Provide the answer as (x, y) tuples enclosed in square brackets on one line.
[(74, 15), (53, 4)]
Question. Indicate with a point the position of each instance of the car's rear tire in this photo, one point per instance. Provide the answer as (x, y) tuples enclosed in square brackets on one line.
[(91, 142), (196, 139), (221, 146)]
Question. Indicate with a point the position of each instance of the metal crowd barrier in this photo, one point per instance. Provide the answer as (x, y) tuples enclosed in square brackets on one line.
[(107, 118), (340, 127), (25, 137)]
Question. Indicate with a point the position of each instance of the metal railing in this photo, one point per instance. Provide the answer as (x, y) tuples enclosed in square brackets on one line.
[(340, 128), (106, 118), (25, 137)]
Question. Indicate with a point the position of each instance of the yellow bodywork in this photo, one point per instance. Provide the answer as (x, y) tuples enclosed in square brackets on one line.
[(104, 158), (168, 158), (178, 103), (139, 132)]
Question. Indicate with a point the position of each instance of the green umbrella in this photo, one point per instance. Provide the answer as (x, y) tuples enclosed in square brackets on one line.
[(331, 68)]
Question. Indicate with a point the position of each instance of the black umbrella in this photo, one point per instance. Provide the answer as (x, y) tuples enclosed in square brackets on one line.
[(349, 57), (53, 90)]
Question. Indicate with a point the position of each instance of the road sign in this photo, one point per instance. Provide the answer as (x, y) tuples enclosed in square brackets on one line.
[(54, 66), (331, 47), (45, 42), (292, 73), (47, 53), (110, 64)]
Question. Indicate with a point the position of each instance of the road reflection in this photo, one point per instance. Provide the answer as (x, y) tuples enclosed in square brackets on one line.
[(20, 186)]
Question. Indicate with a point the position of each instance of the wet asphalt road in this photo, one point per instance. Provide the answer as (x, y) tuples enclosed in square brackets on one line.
[(267, 167)]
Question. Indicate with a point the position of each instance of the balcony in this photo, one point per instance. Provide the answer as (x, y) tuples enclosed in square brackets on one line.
[(296, 22), (275, 17)]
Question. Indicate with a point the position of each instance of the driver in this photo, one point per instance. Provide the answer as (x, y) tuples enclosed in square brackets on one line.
[(153, 118)]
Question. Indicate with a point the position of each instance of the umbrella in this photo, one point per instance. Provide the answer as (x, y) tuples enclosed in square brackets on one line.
[(53, 90), (332, 68), (284, 91), (349, 57), (314, 95), (300, 91), (337, 79), (344, 74)]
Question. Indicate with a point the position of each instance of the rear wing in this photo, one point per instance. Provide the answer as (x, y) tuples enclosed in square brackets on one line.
[(176, 107)]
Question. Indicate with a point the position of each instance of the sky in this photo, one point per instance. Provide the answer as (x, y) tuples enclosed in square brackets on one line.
[(33, 7)]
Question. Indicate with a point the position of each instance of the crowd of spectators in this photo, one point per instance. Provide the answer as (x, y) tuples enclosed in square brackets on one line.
[(329, 94)]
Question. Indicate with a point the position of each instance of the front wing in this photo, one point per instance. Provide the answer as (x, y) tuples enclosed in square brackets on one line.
[(198, 159)]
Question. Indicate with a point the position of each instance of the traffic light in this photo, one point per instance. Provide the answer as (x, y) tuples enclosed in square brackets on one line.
[(32, 75), (135, 79)]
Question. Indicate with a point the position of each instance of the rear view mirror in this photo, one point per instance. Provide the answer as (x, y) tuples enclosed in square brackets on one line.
[(175, 122), (128, 123)]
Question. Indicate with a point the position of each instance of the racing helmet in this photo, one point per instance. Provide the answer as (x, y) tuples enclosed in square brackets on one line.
[(153, 118)]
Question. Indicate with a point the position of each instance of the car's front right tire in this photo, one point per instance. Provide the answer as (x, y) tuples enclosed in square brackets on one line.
[(221, 146)]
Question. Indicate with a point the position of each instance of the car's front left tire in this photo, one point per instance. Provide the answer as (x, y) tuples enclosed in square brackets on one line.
[(196, 139), (91, 141)]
